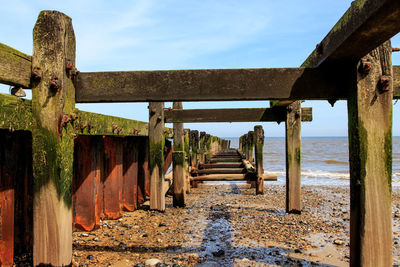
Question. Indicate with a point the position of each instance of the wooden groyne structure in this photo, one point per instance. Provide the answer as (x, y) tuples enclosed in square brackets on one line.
[(46, 143)]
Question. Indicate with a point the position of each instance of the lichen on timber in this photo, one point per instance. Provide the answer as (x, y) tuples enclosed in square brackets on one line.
[(157, 156)]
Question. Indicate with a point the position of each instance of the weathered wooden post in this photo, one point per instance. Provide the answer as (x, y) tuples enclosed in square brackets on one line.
[(53, 99), (207, 154), (186, 146), (130, 173), (194, 144), (250, 157), (156, 162), (178, 161), (258, 149), (370, 147), (293, 154), (250, 138), (202, 147), (241, 143)]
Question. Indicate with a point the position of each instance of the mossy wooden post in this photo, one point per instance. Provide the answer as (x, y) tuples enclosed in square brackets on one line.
[(202, 147), (207, 144), (250, 138), (186, 146), (178, 163), (258, 149), (370, 147), (194, 144), (53, 99), (156, 161), (250, 157), (293, 169)]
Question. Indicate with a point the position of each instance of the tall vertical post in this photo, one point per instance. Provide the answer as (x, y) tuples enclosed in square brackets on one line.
[(293, 154), (178, 162), (53, 99), (250, 137), (207, 142), (370, 146), (194, 144), (202, 147), (186, 146), (250, 146), (156, 160), (258, 149)]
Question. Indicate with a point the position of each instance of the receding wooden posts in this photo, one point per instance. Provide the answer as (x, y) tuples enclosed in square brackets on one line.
[(258, 149), (186, 146), (178, 163), (293, 157), (370, 145), (207, 144), (130, 179), (156, 162), (53, 99)]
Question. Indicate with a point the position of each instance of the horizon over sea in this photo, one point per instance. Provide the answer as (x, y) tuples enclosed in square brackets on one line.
[(324, 159)]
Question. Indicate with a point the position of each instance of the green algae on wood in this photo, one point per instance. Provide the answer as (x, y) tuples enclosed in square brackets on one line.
[(16, 113), (293, 168), (15, 67), (87, 123), (258, 149), (178, 162), (370, 147), (156, 156), (52, 144)]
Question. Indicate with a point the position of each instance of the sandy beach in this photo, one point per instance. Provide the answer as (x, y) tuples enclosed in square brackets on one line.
[(228, 225)]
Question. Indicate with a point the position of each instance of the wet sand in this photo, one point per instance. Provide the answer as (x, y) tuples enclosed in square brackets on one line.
[(228, 225)]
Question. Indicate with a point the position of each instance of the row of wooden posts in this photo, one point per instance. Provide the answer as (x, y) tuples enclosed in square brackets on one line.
[(353, 62)]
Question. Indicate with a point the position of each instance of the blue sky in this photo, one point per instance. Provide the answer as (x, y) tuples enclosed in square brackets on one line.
[(168, 34)]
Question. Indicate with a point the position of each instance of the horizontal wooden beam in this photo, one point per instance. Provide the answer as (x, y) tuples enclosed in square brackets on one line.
[(396, 82), (232, 115), (210, 85), (15, 113), (15, 67), (364, 26)]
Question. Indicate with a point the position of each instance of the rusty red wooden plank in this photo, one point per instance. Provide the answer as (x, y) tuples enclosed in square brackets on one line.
[(23, 205), (144, 173), (113, 176), (84, 184), (7, 176), (130, 180)]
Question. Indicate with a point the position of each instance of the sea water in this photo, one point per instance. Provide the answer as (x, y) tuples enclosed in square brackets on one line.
[(324, 160)]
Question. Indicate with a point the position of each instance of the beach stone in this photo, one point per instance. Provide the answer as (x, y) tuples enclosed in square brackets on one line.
[(193, 258), (218, 253), (151, 262), (338, 242)]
